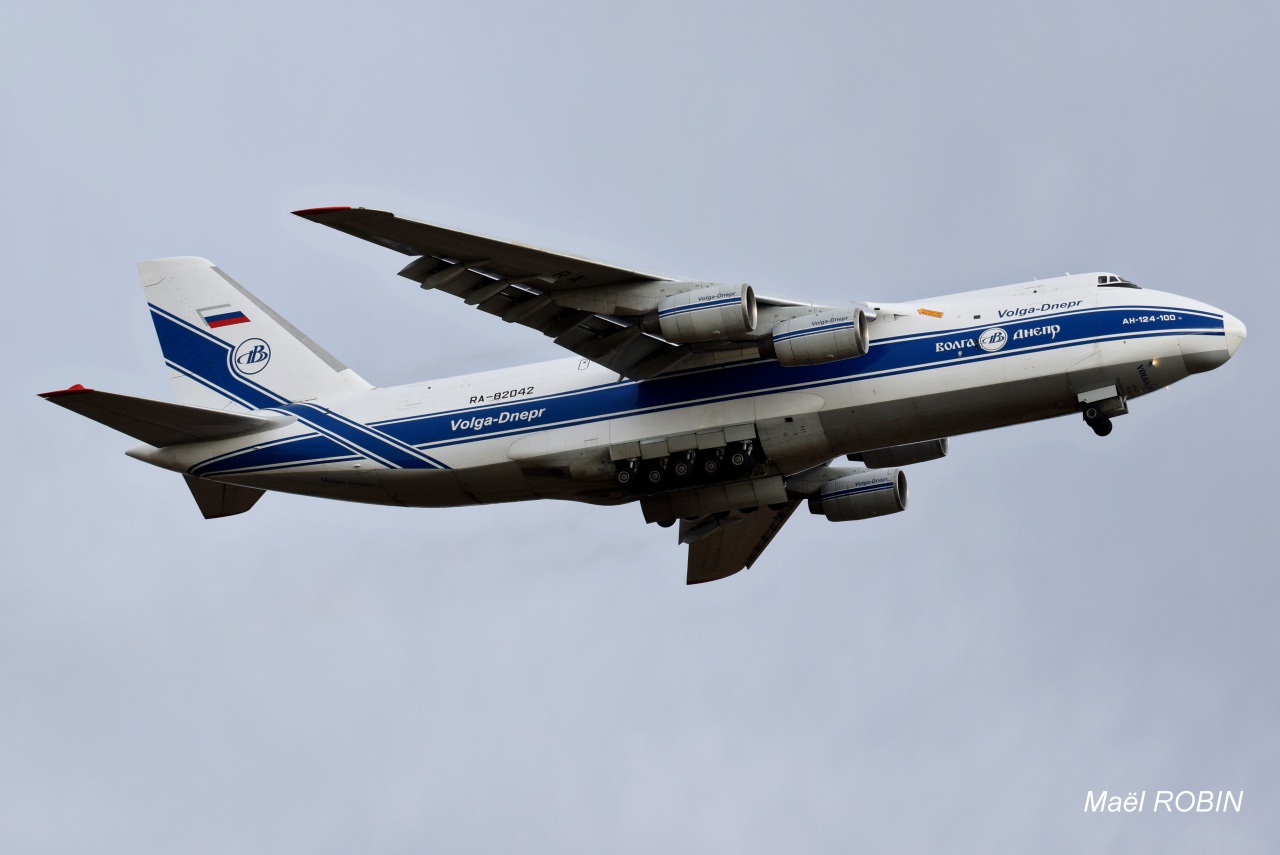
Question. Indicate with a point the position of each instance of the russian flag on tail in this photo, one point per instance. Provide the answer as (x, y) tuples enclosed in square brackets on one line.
[(222, 316)]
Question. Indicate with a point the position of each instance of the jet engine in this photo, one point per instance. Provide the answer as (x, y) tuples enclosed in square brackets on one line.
[(705, 314), (821, 337), (872, 493)]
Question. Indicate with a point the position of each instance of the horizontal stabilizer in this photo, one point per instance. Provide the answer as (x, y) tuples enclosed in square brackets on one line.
[(221, 500), (157, 423)]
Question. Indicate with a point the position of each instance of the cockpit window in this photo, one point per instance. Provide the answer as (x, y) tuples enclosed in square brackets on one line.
[(1107, 280)]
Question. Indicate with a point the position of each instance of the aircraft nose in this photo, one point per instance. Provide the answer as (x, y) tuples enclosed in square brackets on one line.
[(1235, 333)]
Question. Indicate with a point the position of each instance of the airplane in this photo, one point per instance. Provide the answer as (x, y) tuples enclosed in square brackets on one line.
[(711, 406)]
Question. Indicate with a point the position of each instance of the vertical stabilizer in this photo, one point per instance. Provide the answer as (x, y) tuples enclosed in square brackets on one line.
[(226, 349)]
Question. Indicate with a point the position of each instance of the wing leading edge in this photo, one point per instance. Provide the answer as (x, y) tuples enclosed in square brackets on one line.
[(590, 308), (518, 284)]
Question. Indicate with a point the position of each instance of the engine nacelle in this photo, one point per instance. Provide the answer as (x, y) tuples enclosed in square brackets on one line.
[(705, 314), (903, 455), (873, 493), (822, 337)]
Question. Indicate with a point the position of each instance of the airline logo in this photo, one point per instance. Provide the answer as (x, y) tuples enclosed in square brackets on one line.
[(222, 316), (251, 356), (993, 339)]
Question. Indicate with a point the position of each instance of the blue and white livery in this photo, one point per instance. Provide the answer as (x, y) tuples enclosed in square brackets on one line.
[(708, 405)]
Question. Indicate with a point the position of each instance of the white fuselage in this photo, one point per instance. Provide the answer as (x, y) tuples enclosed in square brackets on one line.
[(935, 368)]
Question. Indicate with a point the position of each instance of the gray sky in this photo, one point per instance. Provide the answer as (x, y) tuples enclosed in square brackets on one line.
[(1056, 613)]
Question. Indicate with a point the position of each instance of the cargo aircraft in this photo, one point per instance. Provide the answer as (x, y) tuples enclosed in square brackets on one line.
[(712, 407)]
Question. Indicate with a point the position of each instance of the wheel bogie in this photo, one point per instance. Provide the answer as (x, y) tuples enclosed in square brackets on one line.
[(1097, 420), (687, 468)]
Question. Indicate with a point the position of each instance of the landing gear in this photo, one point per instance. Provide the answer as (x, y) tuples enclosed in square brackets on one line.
[(682, 467), (1094, 418), (738, 455), (687, 468), (1100, 406), (709, 462)]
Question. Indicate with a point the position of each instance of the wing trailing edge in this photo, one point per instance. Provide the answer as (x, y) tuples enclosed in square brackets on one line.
[(720, 548)]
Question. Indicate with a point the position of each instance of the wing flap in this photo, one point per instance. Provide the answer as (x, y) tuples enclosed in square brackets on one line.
[(733, 545), (157, 423)]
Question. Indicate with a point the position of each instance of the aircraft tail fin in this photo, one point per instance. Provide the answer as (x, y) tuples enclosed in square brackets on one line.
[(157, 423), (226, 349)]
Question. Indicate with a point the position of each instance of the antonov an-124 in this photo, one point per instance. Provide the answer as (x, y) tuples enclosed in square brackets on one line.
[(714, 408)]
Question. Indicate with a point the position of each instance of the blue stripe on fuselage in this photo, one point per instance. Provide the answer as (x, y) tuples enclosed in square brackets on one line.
[(278, 454), (377, 444), (895, 355), (887, 356), (337, 439)]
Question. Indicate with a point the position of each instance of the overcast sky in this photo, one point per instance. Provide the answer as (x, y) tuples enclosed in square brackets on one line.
[(1056, 613)]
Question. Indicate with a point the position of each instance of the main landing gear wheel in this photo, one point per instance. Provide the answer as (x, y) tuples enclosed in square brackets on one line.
[(1094, 418), (624, 477), (682, 468)]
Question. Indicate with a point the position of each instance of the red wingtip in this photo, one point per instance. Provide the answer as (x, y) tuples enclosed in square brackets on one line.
[(308, 211), (71, 390)]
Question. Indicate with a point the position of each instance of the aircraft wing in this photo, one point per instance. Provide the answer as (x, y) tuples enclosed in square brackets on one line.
[(733, 545), (575, 301), (501, 258)]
